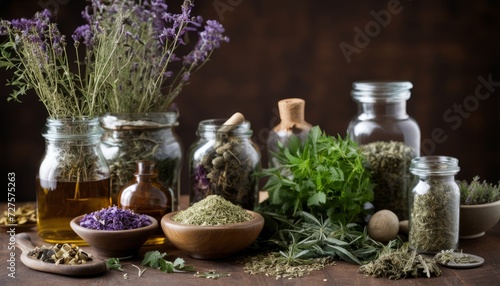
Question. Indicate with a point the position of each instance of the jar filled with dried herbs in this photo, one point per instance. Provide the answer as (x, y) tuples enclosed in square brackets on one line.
[(434, 204), (73, 178), (129, 138), (223, 161), (389, 139)]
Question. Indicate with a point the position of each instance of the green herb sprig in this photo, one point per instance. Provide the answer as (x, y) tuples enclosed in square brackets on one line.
[(477, 192), (155, 259), (310, 243), (325, 175)]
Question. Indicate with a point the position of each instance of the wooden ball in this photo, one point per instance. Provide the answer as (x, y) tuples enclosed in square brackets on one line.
[(383, 226)]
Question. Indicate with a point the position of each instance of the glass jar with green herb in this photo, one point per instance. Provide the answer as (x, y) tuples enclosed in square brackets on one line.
[(389, 139), (223, 161), (434, 204)]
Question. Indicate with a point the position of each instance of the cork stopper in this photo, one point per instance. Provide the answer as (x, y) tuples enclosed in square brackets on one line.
[(235, 119), (291, 112)]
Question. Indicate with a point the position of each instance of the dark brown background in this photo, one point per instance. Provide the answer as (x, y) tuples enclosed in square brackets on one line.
[(291, 48)]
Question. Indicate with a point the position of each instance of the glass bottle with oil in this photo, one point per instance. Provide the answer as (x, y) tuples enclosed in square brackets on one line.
[(147, 195), (73, 178)]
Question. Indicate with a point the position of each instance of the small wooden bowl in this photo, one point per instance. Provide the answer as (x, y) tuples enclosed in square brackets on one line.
[(212, 242), (121, 244)]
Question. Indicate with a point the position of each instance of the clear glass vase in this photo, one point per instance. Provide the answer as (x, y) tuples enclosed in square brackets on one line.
[(129, 138), (73, 177)]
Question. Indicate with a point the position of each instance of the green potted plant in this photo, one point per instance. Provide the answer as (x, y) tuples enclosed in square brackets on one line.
[(479, 207)]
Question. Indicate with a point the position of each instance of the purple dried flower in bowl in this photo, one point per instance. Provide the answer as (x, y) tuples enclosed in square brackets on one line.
[(113, 232), (113, 218)]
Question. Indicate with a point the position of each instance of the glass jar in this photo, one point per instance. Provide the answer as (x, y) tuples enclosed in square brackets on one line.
[(292, 123), (434, 204), (223, 161), (73, 178), (389, 139), (129, 138), (147, 195)]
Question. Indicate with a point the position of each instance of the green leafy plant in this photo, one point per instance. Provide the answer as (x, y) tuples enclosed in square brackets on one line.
[(155, 259), (323, 176), (477, 192)]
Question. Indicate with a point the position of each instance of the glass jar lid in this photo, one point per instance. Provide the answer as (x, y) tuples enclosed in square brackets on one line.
[(386, 91)]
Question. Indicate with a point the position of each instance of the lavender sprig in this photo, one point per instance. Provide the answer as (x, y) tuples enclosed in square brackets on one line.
[(150, 68)]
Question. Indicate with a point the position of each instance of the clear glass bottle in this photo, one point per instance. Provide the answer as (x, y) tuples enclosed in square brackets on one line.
[(223, 161), (147, 195), (73, 178), (129, 138), (434, 204), (292, 123), (389, 138)]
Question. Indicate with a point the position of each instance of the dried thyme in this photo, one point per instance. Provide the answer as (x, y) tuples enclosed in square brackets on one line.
[(389, 163), (433, 223), (450, 256), (212, 210), (274, 264), (401, 263)]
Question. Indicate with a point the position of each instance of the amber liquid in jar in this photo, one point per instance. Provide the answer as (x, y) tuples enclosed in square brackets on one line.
[(59, 202)]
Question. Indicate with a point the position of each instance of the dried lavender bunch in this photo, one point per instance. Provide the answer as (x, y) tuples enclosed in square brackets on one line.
[(153, 57), (36, 52)]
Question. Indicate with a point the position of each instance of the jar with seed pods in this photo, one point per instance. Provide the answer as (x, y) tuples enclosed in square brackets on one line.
[(223, 161)]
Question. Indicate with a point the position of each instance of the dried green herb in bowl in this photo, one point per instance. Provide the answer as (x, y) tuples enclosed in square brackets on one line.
[(212, 228), (212, 210)]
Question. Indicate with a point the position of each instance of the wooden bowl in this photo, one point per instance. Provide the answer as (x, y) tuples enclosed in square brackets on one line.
[(475, 220), (115, 243), (212, 242)]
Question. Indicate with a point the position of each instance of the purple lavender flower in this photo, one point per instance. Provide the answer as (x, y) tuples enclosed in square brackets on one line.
[(113, 218), (200, 178), (210, 39), (84, 34)]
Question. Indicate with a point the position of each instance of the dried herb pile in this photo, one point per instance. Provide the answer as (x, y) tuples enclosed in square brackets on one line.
[(212, 210), (60, 254), (295, 248), (401, 263)]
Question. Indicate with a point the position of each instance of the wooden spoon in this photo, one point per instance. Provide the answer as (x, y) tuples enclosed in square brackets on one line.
[(92, 267)]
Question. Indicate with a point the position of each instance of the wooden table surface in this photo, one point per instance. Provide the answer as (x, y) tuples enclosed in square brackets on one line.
[(341, 273)]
